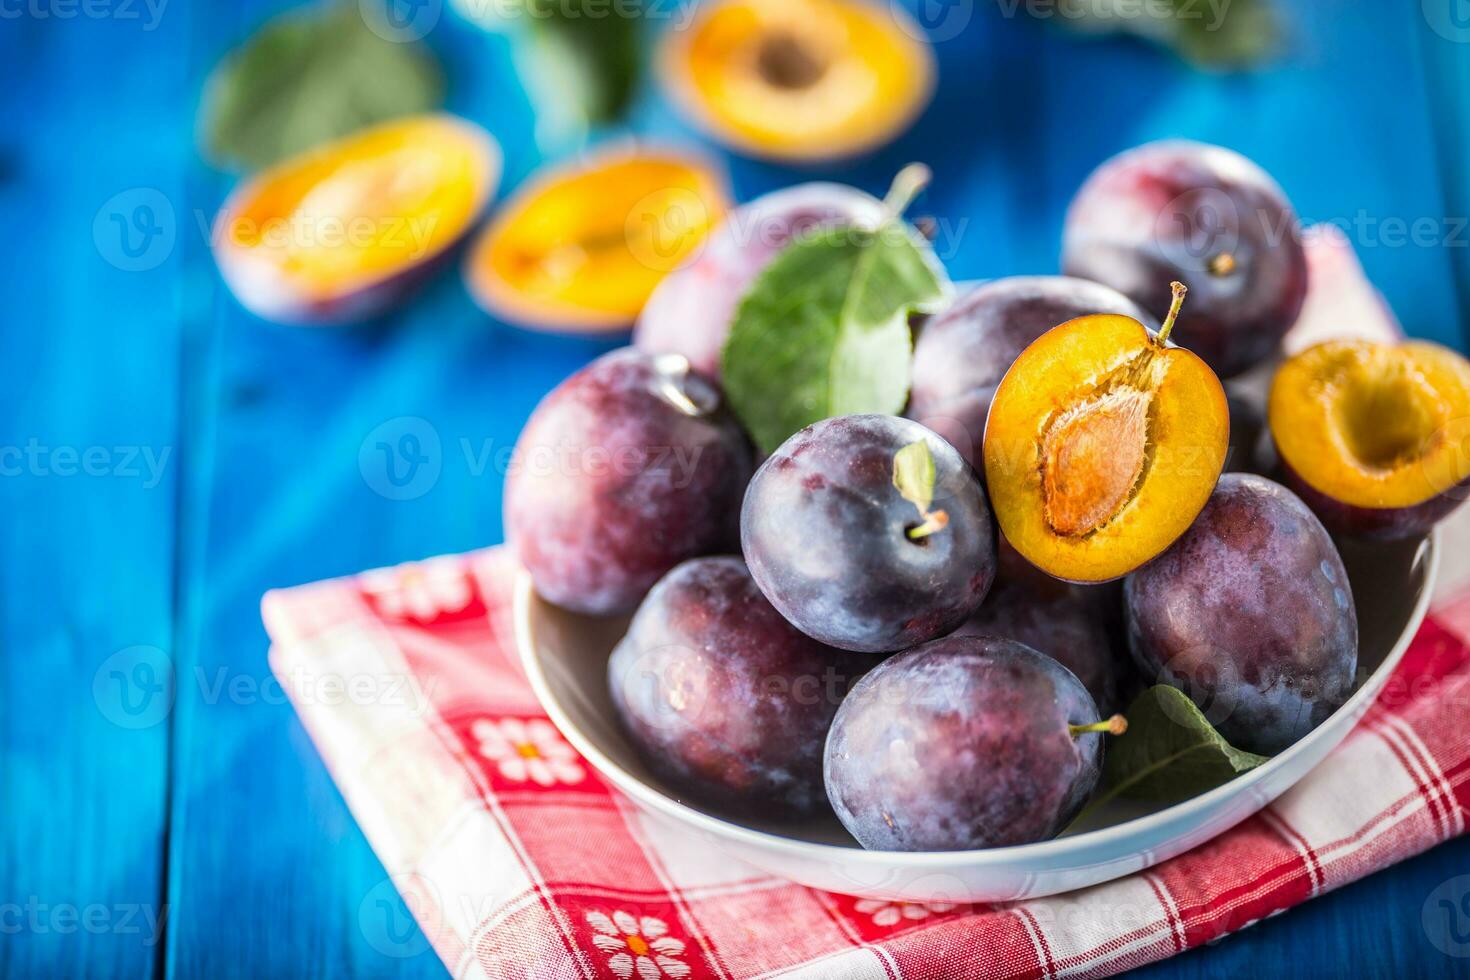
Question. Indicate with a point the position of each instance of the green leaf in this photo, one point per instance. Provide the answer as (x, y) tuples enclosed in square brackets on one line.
[(580, 60), (1233, 35), (307, 78), (589, 55), (1170, 751), (913, 475), (824, 329)]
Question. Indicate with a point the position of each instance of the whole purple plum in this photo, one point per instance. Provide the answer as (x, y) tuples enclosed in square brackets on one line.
[(1208, 217), (1079, 626), (724, 699), (846, 557), (624, 470), (691, 310), (963, 352), (1249, 613), (963, 743)]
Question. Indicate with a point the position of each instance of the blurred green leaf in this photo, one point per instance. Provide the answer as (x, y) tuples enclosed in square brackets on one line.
[(581, 60), (1209, 33), (306, 78), (590, 52)]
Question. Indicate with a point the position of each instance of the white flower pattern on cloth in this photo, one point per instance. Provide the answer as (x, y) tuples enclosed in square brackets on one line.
[(419, 590), (891, 913), (640, 946), (525, 750)]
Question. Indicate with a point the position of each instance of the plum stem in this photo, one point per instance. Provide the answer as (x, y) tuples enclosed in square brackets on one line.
[(1115, 725), (905, 187), (1179, 290), (934, 520)]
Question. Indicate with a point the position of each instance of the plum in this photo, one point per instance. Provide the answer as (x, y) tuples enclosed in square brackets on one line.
[(963, 352), (723, 698), (847, 555), (1251, 614), (963, 743), (1375, 437), (1080, 626), (691, 310), (1206, 216), (624, 470)]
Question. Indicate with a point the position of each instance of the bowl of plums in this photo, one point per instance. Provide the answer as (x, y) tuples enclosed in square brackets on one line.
[(933, 592)]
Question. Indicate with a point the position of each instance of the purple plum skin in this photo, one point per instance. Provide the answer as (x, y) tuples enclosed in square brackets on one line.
[(691, 311), (824, 532), (1163, 212), (627, 468), (962, 353), (1251, 614), (724, 700), (1079, 626), (962, 744), (1375, 523)]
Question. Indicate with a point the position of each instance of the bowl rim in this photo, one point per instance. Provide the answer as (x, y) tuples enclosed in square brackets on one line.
[(1058, 848)]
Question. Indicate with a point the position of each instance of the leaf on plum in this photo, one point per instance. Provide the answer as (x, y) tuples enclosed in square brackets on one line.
[(824, 329), (307, 78), (1170, 751)]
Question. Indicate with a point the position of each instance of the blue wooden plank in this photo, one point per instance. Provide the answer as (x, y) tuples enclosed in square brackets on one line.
[(89, 457)]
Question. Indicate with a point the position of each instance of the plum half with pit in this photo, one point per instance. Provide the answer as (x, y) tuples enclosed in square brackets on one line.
[(869, 533), (625, 469), (1251, 614), (962, 353), (1208, 217), (723, 698), (966, 742)]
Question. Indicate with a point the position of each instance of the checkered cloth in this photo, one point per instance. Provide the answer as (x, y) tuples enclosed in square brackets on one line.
[(518, 861)]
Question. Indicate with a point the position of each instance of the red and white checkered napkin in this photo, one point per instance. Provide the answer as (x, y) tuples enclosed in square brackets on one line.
[(520, 862)]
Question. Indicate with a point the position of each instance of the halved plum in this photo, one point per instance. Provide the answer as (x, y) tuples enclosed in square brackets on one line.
[(342, 231), (1375, 437), (1102, 446), (962, 353), (799, 79), (581, 247)]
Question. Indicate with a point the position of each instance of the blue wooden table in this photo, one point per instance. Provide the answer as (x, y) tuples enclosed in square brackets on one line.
[(167, 457)]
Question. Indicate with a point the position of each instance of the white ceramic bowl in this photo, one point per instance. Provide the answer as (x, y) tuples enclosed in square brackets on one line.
[(565, 657)]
